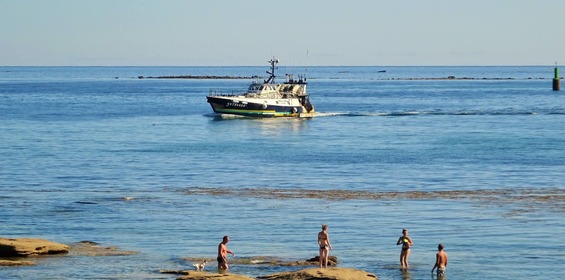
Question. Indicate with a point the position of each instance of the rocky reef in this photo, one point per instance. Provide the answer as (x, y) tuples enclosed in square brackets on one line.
[(17, 251), (27, 247), (333, 272), (89, 248)]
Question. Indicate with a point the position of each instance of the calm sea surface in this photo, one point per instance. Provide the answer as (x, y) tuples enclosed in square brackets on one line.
[(477, 164)]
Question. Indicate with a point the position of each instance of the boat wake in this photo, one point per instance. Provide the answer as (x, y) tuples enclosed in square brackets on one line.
[(219, 117), (494, 112), (504, 112)]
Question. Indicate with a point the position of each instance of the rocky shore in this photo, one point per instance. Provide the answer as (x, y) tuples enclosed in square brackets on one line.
[(333, 273), (327, 273), (17, 251)]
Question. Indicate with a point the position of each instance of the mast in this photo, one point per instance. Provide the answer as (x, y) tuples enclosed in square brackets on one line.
[(271, 73)]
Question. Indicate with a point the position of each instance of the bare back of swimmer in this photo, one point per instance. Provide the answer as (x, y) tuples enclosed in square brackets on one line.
[(325, 246)]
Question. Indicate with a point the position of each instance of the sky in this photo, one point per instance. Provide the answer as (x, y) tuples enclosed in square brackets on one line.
[(297, 32)]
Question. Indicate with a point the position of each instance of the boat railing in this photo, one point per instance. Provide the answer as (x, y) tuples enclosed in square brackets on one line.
[(222, 92)]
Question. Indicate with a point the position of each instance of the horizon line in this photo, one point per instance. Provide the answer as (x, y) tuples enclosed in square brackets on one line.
[(486, 65)]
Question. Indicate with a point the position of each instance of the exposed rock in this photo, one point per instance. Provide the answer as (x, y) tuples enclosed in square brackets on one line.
[(333, 273), (305, 274), (178, 272), (25, 247), (89, 248), (267, 260), (332, 261), (202, 275), (15, 263)]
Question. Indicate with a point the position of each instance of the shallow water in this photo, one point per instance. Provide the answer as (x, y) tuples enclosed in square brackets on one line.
[(475, 164)]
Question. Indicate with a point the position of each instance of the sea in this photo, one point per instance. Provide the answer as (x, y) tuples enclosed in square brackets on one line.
[(470, 157)]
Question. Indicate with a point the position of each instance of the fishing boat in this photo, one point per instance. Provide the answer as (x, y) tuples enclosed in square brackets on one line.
[(266, 99)]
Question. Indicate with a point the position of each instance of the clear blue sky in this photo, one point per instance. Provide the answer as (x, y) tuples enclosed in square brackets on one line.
[(298, 32)]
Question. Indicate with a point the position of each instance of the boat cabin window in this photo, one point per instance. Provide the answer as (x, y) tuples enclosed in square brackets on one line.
[(259, 88), (266, 87)]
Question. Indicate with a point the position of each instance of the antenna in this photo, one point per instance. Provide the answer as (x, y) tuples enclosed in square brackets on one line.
[(271, 73)]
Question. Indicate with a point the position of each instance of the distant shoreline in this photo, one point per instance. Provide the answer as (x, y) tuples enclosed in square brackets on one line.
[(227, 77), (201, 77)]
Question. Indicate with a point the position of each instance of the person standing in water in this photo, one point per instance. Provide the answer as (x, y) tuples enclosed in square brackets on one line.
[(325, 246), (406, 244), (441, 261), (223, 254)]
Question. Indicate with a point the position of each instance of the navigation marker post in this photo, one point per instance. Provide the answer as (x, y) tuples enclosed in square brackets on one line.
[(556, 80)]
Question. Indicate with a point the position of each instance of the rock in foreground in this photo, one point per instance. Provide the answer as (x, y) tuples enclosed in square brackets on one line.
[(25, 247), (200, 275), (322, 274), (15, 263), (305, 274)]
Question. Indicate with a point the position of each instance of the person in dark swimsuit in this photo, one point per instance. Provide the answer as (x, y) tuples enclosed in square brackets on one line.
[(406, 244), (324, 243), (223, 254)]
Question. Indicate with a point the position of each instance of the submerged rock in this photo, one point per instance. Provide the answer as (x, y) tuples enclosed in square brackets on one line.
[(267, 260), (333, 273), (25, 247), (89, 248)]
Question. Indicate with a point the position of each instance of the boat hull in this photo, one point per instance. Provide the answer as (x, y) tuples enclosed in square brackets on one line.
[(258, 108)]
